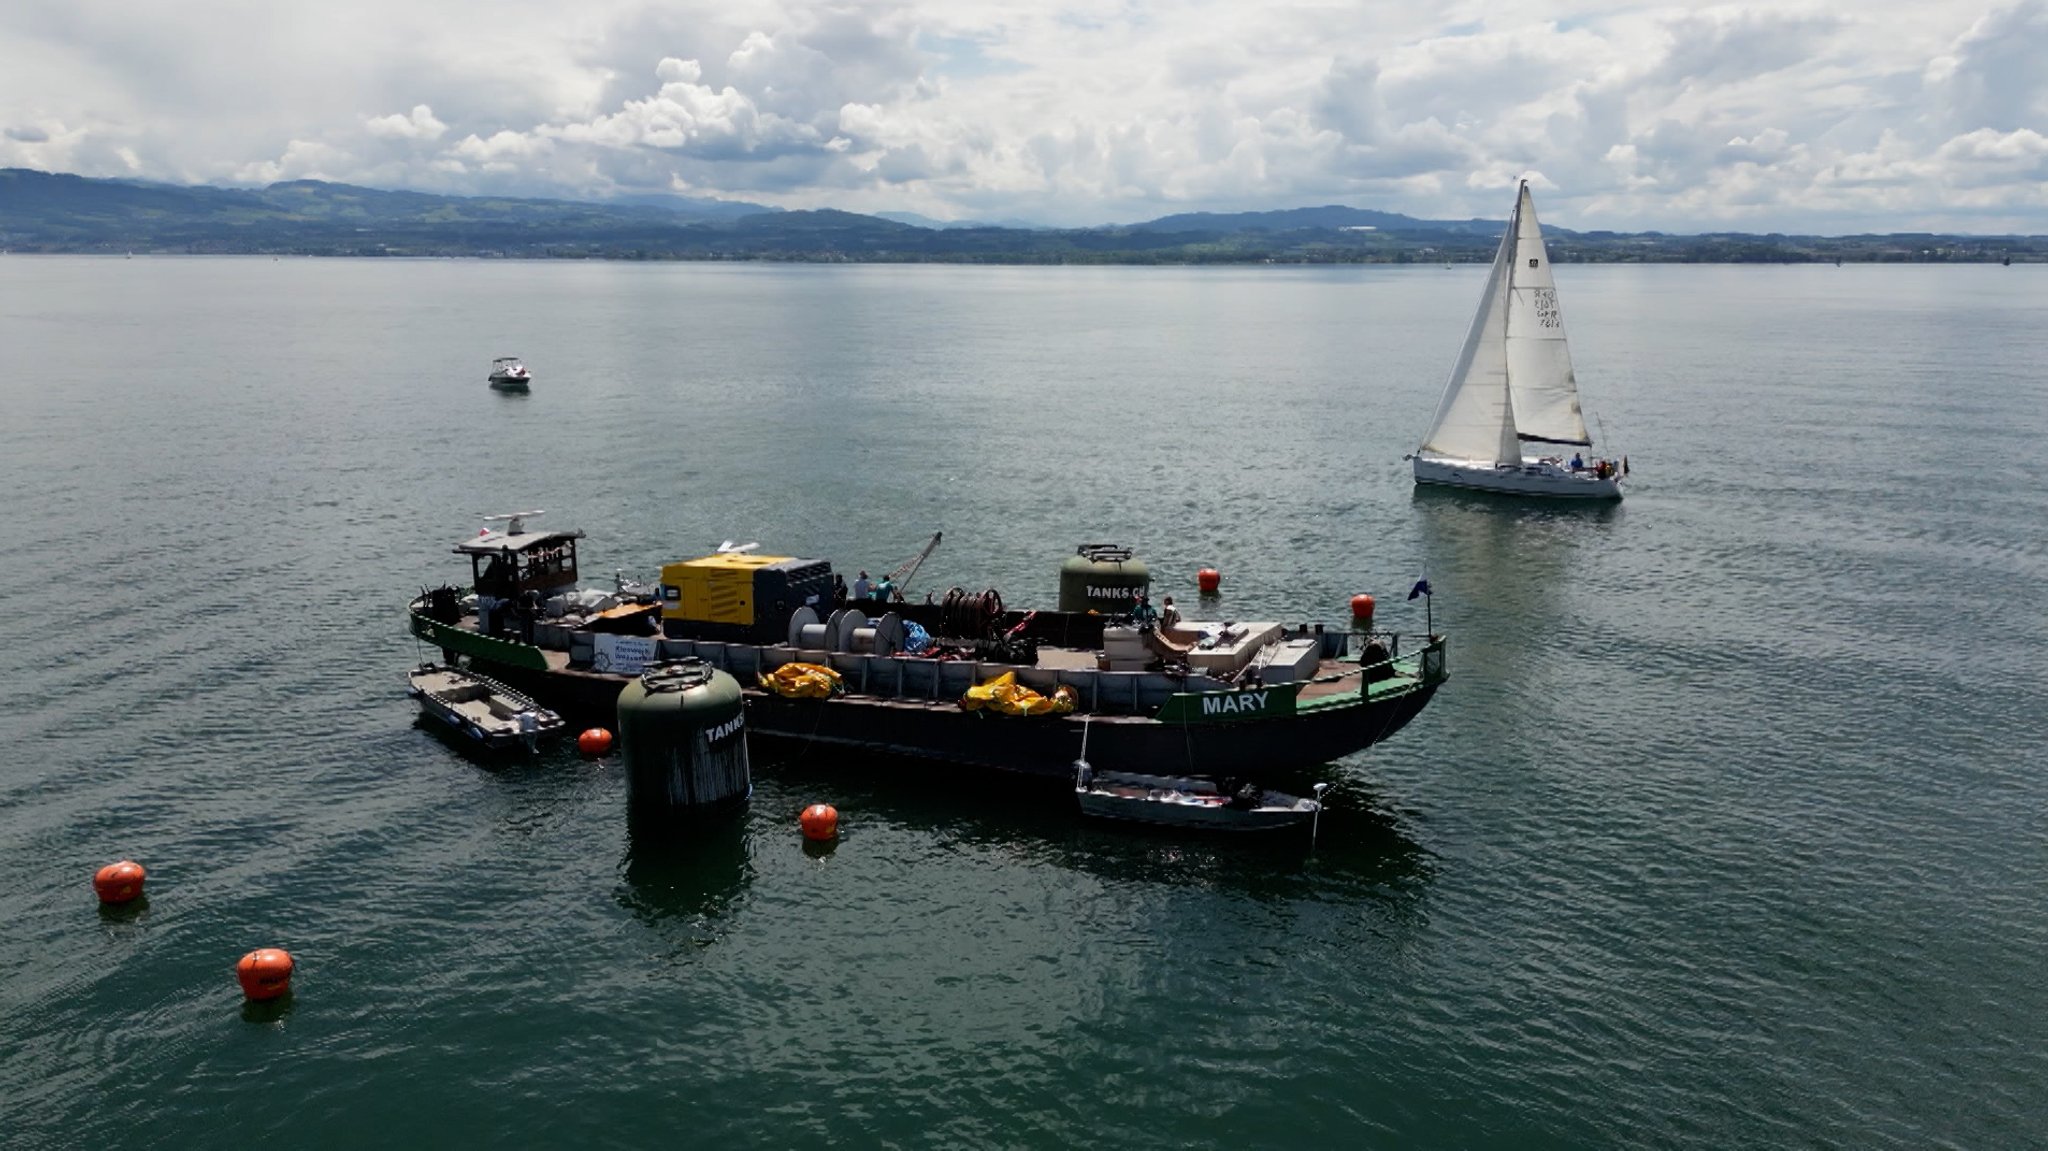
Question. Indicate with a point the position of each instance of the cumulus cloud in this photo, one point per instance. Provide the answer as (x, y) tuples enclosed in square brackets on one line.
[(1699, 115), (1989, 146), (1988, 167), (689, 117), (1992, 77), (302, 160), (419, 125)]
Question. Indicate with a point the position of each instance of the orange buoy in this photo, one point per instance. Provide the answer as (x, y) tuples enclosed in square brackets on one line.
[(1361, 609), (1208, 580), (265, 973), (118, 882), (595, 741), (819, 821)]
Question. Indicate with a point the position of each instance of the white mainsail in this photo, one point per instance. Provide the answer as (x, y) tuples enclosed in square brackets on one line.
[(1474, 420), (1539, 365)]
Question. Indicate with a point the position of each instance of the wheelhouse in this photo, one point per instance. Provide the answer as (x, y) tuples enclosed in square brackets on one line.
[(509, 563)]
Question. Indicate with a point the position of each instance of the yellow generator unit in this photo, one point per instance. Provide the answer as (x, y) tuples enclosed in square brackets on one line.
[(739, 597)]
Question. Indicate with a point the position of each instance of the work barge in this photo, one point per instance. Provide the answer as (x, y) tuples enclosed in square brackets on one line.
[(1216, 698)]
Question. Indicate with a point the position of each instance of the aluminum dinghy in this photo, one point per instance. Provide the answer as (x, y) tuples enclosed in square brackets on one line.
[(481, 708)]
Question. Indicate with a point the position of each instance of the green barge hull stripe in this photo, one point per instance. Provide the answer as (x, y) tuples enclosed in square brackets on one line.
[(503, 651)]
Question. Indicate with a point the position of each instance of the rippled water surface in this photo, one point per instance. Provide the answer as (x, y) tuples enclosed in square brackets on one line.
[(1728, 831)]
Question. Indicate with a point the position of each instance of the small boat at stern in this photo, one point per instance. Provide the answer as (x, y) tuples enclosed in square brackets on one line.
[(508, 374), (481, 708), (1183, 801)]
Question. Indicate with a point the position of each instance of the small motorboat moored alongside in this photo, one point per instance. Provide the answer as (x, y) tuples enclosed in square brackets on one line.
[(508, 374), (1186, 801), (481, 708)]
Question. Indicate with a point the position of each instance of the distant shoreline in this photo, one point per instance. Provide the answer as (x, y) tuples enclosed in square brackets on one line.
[(43, 212), (2027, 257)]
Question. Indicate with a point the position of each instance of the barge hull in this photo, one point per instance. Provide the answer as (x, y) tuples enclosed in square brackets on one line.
[(1031, 745)]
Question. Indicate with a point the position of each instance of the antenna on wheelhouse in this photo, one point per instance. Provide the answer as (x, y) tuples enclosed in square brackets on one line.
[(515, 522)]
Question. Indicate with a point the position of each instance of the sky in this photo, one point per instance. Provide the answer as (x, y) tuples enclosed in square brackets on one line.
[(1829, 118)]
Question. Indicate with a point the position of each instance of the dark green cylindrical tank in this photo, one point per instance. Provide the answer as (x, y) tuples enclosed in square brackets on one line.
[(1104, 578), (682, 733)]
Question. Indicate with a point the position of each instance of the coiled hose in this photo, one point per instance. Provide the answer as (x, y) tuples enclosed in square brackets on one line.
[(971, 614)]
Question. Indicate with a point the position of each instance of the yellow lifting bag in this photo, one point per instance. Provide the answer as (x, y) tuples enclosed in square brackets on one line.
[(803, 681), (1005, 695)]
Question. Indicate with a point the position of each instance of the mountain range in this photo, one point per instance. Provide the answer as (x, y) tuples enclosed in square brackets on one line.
[(52, 212)]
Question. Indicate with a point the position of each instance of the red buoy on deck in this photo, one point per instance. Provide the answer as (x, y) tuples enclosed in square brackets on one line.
[(819, 821), (595, 741), (1361, 610), (265, 973), (1208, 580), (118, 882)]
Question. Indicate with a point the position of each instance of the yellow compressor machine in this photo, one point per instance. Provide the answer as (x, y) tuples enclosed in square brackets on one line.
[(740, 597)]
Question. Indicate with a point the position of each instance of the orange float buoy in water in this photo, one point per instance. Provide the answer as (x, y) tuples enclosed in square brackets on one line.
[(1208, 580), (819, 821), (265, 973), (118, 882), (595, 741), (1361, 610)]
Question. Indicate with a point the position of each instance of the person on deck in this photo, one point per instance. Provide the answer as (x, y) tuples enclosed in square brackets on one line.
[(838, 590), (1143, 614), (1578, 462), (860, 586), (885, 590), (1169, 615)]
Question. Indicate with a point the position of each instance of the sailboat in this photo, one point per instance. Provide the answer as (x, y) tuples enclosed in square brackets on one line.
[(1513, 386)]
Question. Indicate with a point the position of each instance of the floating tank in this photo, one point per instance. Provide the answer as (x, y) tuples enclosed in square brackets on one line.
[(1103, 578), (682, 733)]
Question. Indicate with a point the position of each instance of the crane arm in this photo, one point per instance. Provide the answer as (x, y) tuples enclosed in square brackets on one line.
[(908, 568)]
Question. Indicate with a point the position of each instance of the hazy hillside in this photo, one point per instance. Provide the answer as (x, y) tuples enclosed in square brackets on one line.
[(1332, 216), (42, 212)]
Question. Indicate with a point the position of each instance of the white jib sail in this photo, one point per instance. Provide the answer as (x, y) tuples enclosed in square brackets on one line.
[(1474, 420), (1540, 379)]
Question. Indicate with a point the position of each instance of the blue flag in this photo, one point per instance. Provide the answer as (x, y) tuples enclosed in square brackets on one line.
[(1421, 588)]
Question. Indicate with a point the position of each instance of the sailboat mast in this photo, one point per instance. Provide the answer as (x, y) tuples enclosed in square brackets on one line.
[(1510, 451), (1514, 244)]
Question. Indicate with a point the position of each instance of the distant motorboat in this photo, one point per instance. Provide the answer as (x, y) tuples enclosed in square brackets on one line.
[(508, 374), (1513, 386)]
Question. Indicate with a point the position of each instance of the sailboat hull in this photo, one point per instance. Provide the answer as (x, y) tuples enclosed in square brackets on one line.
[(1534, 477)]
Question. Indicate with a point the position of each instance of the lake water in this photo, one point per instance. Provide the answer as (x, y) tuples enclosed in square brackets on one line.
[(1729, 830)]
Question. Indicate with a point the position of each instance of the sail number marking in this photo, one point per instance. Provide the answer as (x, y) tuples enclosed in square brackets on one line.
[(1545, 300)]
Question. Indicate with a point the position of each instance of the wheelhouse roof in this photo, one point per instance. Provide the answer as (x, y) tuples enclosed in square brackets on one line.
[(491, 543)]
